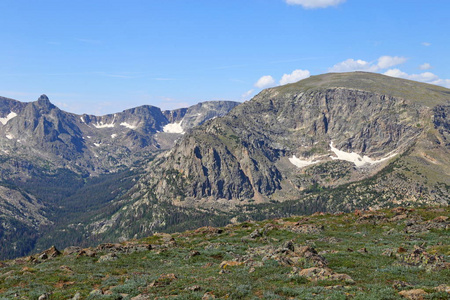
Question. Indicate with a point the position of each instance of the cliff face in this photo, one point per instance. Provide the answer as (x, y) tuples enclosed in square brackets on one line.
[(322, 132)]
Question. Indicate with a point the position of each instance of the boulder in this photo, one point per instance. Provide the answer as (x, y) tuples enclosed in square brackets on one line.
[(317, 274), (416, 294)]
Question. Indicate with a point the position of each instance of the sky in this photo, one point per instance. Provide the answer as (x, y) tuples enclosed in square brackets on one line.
[(100, 57)]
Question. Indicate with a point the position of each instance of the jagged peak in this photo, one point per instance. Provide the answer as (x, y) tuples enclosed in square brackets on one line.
[(43, 97), (44, 101)]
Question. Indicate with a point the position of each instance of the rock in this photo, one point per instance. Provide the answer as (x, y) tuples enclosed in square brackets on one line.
[(77, 296), (128, 247), (71, 250), (362, 250), (255, 234), (416, 294), (96, 292), (228, 263), (163, 280), (208, 296), (51, 252), (443, 288), (415, 228), (193, 253), (108, 257), (194, 288), (398, 218), (286, 247), (316, 274), (45, 296), (208, 230), (168, 240), (86, 252), (399, 285), (418, 257), (142, 297)]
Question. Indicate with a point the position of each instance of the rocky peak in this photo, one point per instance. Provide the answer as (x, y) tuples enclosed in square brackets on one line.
[(43, 100)]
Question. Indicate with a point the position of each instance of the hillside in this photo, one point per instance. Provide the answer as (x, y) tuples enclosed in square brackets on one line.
[(332, 142), (386, 254)]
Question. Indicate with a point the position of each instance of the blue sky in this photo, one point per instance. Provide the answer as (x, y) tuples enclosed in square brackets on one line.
[(102, 57)]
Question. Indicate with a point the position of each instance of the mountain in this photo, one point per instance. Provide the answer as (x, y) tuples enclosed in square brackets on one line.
[(329, 143), (58, 167), (41, 135), (333, 142), (395, 253)]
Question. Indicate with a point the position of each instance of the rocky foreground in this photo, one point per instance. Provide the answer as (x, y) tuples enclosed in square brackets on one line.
[(387, 254)]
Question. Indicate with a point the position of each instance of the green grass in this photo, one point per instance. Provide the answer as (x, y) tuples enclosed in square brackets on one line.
[(374, 274)]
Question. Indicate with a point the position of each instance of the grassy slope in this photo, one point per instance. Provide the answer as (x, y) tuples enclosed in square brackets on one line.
[(417, 92), (257, 277)]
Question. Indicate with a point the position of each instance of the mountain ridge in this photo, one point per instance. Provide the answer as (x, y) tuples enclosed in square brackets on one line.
[(332, 148)]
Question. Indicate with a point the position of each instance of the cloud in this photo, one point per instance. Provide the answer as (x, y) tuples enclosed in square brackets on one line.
[(265, 81), (382, 62), (295, 76), (351, 65), (425, 66), (426, 77), (315, 3), (247, 95), (426, 44), (386, 61)]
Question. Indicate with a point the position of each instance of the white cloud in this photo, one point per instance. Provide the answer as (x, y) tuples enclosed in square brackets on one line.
[(426, 77), (383, 62), (315, 3), (425, 66), (426, 44), (265, 81), (386, 61), (247, 94), (295, 76), (351, 65)]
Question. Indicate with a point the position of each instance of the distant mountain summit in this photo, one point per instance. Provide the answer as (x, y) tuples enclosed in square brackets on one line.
[(40, 133)]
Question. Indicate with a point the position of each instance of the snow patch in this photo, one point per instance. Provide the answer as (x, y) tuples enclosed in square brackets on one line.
[(128, 125), (88, 136), (300, 163), (174, 128), (96, 145), (8, 117), (113, 136), (9, 136), (82, 120), (355, 158), (102, 125)]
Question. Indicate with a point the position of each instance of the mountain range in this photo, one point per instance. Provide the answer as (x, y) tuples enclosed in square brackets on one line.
[(332, 142)]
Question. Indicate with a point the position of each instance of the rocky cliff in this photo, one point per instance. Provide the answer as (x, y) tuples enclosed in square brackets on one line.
[(320, 134)]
